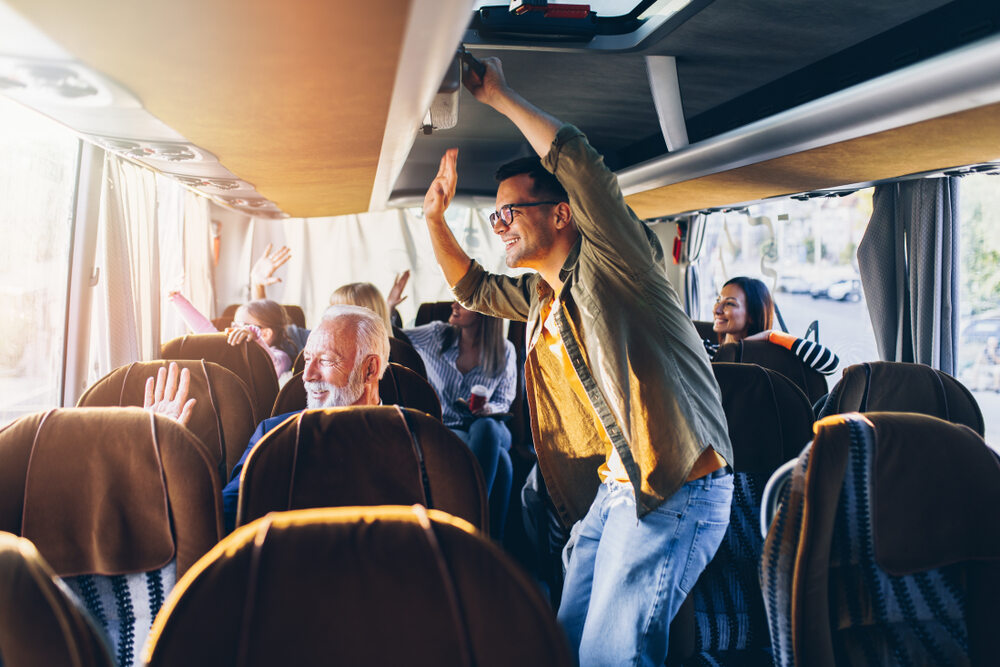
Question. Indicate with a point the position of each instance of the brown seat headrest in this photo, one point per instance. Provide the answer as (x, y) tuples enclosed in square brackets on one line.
[(381, 585), (888, 386), (404, 354), (248, 361), (769, 418), (776, 358), (39, 623), (433, 311), (222, 420), (109, 490), (360, 456)]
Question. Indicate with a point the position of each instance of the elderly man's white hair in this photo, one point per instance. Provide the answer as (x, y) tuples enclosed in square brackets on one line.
[(372, 336)]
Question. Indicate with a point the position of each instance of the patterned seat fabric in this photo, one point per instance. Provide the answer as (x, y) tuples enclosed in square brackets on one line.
[(40, 622), (867, 563), (118, 501), (881, 619), (769, 420), (730, 625)]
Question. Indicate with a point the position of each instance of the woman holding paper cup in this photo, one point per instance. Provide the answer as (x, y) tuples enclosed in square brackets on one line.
[(473, 370)]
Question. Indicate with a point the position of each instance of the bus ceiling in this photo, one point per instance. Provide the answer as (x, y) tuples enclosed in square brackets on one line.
[(310, 109)]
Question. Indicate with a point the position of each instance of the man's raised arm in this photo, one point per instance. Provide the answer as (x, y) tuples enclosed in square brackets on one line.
[(453, 260), (537, 126)]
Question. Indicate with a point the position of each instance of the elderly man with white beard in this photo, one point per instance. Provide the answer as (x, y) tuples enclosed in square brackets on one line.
[(346, 356)]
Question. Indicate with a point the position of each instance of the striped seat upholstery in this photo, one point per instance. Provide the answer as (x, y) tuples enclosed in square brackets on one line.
[(40, 624), (769, 420), (119, 501), (869, 563)]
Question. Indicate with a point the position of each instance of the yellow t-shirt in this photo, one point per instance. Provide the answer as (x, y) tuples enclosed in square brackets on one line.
[(612, 467)]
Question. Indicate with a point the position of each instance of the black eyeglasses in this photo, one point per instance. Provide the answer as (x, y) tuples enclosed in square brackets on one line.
[(506, 212)]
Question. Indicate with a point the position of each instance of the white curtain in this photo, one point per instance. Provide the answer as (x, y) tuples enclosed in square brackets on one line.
[(127, 304), (370, 247), (186, 230), (154, 236)]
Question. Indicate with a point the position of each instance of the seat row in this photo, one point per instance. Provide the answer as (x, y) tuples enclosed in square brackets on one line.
[(357, 585), (911, 468)]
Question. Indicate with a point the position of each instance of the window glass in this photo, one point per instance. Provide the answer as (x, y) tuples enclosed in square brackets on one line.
[(979, 296), (38, 173), (805, 252)]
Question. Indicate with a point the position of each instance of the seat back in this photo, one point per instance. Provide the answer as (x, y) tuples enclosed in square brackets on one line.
[(776, 358), (705, 330), (892, 386), (118, 501), (374, 586), (223, 420), (248, 361), (39, 623), (399, 386), (770, 421), (886, 546), (433, 311), (361, 456)]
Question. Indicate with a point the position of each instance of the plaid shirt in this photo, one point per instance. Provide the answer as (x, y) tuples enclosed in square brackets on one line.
[(450, 383)]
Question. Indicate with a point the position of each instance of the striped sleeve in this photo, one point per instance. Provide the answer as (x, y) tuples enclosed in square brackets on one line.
[(816, 356)]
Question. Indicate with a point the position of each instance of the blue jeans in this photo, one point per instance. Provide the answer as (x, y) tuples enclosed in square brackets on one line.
[(627, 577), (489, 439)]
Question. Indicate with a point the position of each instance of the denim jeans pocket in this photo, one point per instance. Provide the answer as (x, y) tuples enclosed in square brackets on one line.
[(707, 538)]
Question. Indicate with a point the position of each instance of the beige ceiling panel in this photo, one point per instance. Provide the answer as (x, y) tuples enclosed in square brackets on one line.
[(291, 96), (958, 139)]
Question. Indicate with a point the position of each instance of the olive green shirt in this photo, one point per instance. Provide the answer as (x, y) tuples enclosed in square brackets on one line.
[(633, 348)]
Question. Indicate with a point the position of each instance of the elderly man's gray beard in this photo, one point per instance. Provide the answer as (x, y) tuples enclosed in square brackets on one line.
[(336, 397)]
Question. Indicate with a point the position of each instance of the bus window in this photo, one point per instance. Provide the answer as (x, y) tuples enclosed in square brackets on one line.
[(805, 252), (979, 294), (37, 184)]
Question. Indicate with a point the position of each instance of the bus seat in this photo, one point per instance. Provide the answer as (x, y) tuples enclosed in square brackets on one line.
[(886, 547), (224, 416), (378, 455), (356, 586), (399, 386), (433, 311), (892, 386), (722, 621), (705, 330), (248, 361), (400, 352), (776, 358), (40, 624), (119, 501)]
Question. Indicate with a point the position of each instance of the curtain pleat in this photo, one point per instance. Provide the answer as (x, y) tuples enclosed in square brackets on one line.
[(909, 269)]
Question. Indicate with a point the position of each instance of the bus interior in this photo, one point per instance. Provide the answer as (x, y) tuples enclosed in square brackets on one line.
[(152, 147)]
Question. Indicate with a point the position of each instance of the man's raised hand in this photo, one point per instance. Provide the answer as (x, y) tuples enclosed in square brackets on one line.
[(442, 188)]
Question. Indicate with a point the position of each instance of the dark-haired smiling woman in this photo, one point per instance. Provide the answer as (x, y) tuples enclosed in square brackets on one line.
[(744, 310)]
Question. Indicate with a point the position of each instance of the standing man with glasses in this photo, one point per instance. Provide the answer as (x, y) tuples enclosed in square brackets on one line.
[(625, 411)]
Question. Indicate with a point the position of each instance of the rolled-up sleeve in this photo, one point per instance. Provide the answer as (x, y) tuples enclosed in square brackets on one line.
[(599, 209), (493, 294)]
